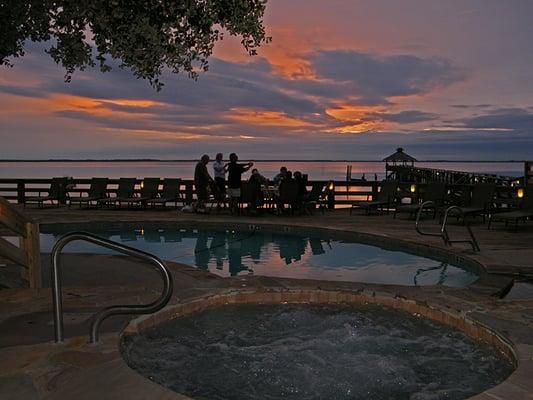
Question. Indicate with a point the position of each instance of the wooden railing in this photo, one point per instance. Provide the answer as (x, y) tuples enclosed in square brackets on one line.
[(16, 190), (409, 173), (27, 254), (343, 194)]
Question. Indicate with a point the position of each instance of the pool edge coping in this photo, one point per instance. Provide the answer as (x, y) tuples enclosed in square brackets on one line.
[(451, 255)]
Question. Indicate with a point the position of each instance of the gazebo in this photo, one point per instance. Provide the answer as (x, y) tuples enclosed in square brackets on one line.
[(400, 158)]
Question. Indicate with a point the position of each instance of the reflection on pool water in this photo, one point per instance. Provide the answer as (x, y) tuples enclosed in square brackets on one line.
[(313, 352), (229, 252)]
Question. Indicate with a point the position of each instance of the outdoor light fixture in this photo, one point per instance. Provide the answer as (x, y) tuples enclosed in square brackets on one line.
[(412, 188), (331, 186), (520, 193), (142, 184)]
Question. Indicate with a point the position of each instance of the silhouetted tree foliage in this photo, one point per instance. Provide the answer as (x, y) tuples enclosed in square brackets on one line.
[(147, 36)]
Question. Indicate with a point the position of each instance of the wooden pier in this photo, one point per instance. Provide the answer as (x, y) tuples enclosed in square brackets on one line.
[(411, 173)]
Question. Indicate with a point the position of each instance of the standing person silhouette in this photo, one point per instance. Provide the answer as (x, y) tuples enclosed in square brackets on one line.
[(219, 172), (235, 172), (201, 183)]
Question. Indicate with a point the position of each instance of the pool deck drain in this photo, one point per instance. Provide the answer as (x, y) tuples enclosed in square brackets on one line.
[(33, 367)]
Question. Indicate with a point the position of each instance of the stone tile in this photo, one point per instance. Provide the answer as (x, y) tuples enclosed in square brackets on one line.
[(82, 359), (18, 387), (525, 352), (506, 252), (509, 391), (523, 376)]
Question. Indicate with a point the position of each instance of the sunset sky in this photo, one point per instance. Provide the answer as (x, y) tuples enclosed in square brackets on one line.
[(341, 79)]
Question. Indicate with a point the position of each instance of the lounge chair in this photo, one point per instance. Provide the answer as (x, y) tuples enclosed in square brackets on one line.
[(435, 192), (96, 192), (57, 192), (522, 214), (385, 198), (480, 203), (289, 194), (249, 197), (149, 191), (126, 187), (314, 198), (170, 194)]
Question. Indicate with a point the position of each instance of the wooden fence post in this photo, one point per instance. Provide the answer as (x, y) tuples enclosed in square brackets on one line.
[(28, 253), (31, 245), (375, 191), (188, 192), (21, 192)]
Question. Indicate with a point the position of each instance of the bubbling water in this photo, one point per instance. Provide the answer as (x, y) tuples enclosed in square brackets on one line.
[(313, 352)]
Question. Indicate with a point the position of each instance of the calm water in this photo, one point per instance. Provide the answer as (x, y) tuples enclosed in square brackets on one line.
[(314, 352), (228, 252), (316, 170)]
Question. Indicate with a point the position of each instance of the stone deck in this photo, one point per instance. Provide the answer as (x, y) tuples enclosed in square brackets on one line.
[(34, 368)]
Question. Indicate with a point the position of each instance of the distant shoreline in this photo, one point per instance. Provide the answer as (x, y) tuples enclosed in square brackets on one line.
[(136, 160)]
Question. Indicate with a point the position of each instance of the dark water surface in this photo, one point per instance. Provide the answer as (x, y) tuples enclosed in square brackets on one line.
[(314, 352), (316, 170), (229, 252)]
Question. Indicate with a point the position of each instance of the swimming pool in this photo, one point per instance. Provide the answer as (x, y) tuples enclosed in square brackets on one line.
[(231, 251), (313, 352)]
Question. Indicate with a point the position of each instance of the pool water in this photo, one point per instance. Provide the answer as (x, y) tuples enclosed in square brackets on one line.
[(313, 352), (229, 252)]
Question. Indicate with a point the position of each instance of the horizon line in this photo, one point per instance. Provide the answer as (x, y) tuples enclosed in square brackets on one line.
[(244, 159)]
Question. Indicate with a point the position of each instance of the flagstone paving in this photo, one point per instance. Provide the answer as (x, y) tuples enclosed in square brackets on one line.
[(33, 367)]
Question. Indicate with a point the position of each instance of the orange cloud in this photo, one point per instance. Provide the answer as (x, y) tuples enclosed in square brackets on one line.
[(98, 107), (350, 112), (60, 103), (363, 127), (288, 53), (358, 118), (266, 118)]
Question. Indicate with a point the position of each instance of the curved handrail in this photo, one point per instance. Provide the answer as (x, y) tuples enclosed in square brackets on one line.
[(424, 205), (444, 232), (98, 318)]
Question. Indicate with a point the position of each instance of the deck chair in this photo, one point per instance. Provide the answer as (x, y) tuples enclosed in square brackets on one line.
[(151, 235), (288, 194), (480, 203), (149, 191), (313, 198), (247, 196), (126, 187), (522, 214), (435, 192), (170, 193), (96, 192), (57, 192), (385, 198)]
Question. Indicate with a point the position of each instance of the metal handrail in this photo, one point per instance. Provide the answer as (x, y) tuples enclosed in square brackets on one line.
[(111, 310), (446, 237), (424, 205), (443, 231)]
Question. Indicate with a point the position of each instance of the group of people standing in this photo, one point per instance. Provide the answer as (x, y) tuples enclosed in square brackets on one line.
[(219, 186), (203, 180)]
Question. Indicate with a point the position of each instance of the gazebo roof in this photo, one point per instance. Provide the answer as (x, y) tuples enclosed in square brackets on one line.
[(399, 156)]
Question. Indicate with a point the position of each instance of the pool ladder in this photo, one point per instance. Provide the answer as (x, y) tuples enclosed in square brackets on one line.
[(99, 317), (443, 230)]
